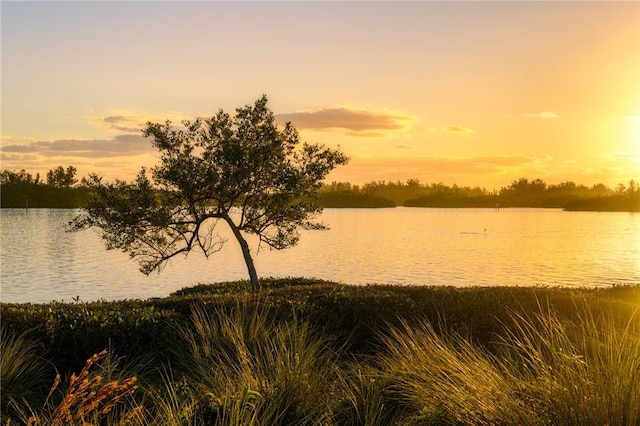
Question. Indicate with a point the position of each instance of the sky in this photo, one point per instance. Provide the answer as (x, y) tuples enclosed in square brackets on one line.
[(471, 93)]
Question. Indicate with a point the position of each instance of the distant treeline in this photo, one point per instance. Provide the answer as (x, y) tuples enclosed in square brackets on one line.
[(520, 193), (63, 190), (29, 195), (60, 190)]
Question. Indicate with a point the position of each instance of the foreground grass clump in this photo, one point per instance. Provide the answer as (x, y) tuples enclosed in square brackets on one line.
[(23, 371), (579, 372), (85, 398), (447, 379), (547, 371), (309, 352), (249, 368)]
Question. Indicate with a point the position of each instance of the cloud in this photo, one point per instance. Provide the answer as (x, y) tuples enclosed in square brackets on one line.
[(356, 122), (120, 145), (622, 157), (449, 165), (452, 129), (367, 134), (543, 114), (123, 124), (133, 121)]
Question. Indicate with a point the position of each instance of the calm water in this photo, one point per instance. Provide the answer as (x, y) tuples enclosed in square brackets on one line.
[(41, 262)]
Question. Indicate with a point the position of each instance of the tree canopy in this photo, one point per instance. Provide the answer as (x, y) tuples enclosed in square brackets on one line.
[(62, 178), (242, 170)]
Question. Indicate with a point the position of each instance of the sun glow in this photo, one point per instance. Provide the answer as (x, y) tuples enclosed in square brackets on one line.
[(633, 125)]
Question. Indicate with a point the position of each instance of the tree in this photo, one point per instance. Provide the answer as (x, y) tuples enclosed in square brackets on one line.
[(9, 177), (61, 178), (241, 170)]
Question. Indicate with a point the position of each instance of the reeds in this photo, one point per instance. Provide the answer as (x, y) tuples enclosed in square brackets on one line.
[(366, 398), (449, 379), (22, 371), (255, 370), (578, 372), (241, 366), (87, 400), (545, 371)]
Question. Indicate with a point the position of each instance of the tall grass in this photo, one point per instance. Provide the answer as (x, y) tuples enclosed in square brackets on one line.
[(172, 403), (449, 380), (578, 372), (241, 366), (23, 372), (86, 399), (547, 371), (246, 368), (365, 398)]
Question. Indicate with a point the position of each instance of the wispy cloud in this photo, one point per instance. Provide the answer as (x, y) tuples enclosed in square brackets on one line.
[(352, 121), (133, 121), (452, 129), (448, 165), (622, 157), (122, 123), (405, 147), (366, 134), (543, 114), (120, 145), (356, 122)]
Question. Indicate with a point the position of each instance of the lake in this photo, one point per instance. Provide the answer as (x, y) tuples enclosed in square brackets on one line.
[(40, 262)]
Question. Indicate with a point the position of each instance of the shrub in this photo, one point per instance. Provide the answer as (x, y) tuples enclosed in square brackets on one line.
[(71, 332)]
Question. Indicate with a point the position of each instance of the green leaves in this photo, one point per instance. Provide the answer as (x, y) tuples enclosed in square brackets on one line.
[(245, 169)]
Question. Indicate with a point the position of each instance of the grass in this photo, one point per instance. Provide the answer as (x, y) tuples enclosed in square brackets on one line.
[(248, 368), (546, 357), (448, 379), (86, 400), (579, 372), (23, 371)]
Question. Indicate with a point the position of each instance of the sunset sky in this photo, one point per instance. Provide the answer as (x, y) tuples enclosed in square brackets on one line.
[(474, 93)]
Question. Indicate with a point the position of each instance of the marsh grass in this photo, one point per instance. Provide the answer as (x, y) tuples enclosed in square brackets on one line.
[(449, 379), (578, 372), (247, 368), (84, 400), (172, 403), (546, 371), (366, 398), (249, 364), (22, 370)]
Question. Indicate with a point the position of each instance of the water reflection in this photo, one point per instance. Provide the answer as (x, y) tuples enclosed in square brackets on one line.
[(41, 262)]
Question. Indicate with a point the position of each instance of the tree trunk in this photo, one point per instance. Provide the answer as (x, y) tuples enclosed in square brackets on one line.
[(253, 275)]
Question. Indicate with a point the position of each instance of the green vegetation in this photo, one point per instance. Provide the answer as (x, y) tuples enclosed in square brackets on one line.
[(311, 352), (25, 195), (23, 190), (520, 193), (350, 199), (240, 171)]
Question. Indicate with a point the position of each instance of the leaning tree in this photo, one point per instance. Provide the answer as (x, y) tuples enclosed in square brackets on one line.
[(243, 171)]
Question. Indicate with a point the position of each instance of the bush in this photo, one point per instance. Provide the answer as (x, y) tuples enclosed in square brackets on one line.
[(72, 332), (308, 351)]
